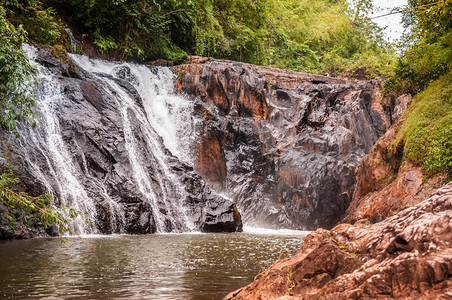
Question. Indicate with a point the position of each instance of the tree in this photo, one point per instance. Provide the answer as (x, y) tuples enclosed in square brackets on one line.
[(16, 75), (428, 47)]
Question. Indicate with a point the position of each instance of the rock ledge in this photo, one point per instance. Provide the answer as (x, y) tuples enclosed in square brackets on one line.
[(408, 255)]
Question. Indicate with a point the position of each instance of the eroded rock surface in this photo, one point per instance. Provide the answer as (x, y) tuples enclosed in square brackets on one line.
[(406, 256), (283, 145), (95, 129), (385, 183)]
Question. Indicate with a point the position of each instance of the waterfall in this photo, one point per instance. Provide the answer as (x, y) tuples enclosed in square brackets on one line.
[(149, 133), (170, 115)]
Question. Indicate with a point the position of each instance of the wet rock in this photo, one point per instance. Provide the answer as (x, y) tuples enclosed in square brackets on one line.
[(160, 63), (401, 104), (91, 93), (90, 120), (211, 161), (6, 232), (46, 58), (284, 145), (222, 218), (405, 256)]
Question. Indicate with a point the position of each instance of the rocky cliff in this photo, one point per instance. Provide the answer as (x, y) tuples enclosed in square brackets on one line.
[(283, 145), (387, 183), (407, 256), (95, 149), (286, 147)]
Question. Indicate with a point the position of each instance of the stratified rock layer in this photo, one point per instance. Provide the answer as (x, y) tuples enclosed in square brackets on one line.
[(406, 256), (283, 145)]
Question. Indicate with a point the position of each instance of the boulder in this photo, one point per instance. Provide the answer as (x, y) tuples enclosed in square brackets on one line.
[(407, 256)]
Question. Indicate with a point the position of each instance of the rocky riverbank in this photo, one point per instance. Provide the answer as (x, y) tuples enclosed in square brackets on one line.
[(408, 255)]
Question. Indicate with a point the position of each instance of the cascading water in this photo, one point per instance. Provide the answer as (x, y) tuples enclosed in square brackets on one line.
[(169, 117), (49, 142), (136, 175)]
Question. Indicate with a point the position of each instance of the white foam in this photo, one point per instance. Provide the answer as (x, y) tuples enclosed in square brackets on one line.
[(267, 231), (96, 236)]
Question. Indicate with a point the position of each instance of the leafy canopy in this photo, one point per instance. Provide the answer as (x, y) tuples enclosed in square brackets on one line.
[(305, 35)]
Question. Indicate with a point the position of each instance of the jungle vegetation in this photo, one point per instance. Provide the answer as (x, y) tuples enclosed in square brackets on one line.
[(304, 35), (424, 70)]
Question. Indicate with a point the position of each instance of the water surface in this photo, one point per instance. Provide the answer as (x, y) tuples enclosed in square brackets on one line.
[(161, 266)]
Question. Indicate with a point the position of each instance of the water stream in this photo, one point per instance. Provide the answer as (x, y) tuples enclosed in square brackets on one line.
[(160, 266)]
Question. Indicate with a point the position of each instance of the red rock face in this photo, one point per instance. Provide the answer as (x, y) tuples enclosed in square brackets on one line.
[(216, 85), (211, 162), (385, 183), (406, 190), (405, 256), (284, 145)]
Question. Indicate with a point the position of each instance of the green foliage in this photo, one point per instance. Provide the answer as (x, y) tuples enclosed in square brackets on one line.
[(105, 43), (313, 36), (16, 75), (36, 211), (40, 23), (130, 29), (427, 130), (420, 65), (425, 65), (428, 53), (41, 27), (20, 22)]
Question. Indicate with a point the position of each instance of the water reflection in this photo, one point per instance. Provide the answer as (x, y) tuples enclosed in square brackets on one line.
[(169, 266)]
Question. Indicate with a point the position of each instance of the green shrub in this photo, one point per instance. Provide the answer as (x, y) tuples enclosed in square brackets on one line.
[(16, 75), (104, 43), (40, 23), (36, 211), (427, 130), (420, 65), (428, 47)]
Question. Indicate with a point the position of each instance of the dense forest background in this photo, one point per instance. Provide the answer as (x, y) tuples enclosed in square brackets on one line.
[(304, 35)]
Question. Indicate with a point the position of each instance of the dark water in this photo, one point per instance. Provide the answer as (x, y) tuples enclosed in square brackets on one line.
[(170, 266)]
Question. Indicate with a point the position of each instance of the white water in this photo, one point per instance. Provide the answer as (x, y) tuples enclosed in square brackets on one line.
[(170, 115), (166, 117), (167, 114), (267, 231), (49, 142)]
